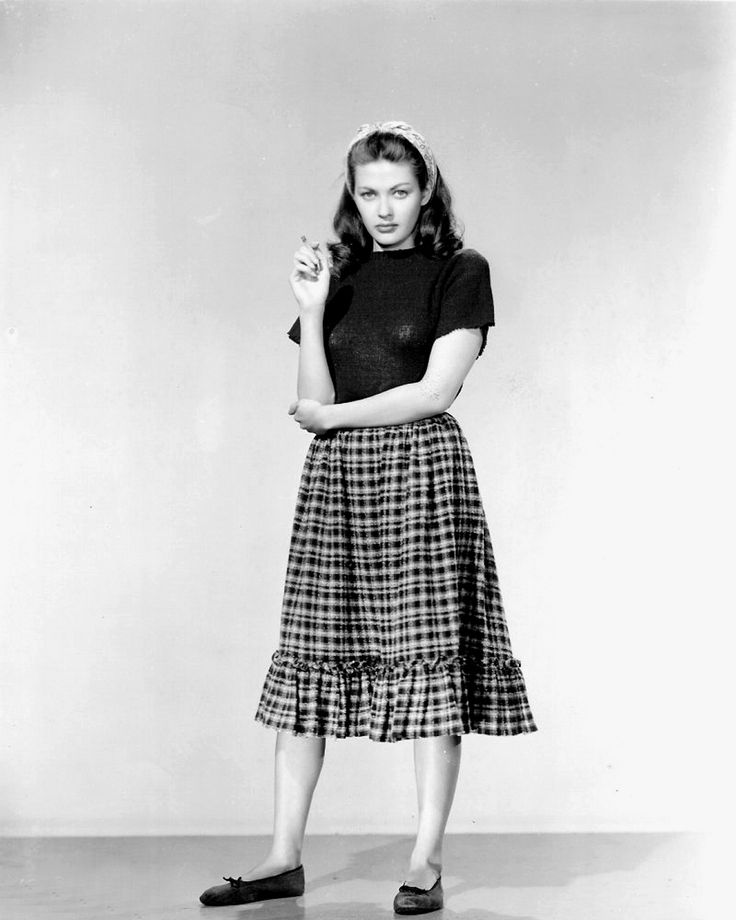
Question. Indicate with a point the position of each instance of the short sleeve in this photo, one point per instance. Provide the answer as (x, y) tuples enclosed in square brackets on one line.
[(295, 333), (466, 300)]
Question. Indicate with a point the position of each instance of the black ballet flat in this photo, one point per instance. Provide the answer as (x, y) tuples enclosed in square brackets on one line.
[(411, 900), (289, 884)]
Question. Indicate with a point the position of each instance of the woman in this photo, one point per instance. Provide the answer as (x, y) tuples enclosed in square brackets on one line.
[(392, 624)]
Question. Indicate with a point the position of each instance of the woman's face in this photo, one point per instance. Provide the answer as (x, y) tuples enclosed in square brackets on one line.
[(388, 199)]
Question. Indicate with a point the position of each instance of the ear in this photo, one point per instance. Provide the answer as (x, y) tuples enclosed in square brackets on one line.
[(426, 195)]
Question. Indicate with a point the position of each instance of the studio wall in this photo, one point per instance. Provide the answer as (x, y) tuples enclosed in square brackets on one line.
[(161, 163)]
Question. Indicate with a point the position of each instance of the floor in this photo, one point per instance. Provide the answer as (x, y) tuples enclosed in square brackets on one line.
[(486, 877)]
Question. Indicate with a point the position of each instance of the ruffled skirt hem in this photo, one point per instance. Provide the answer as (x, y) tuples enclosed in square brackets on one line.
[(396, 701)]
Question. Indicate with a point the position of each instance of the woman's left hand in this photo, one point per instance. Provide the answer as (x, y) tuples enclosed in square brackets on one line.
[(310, 415)]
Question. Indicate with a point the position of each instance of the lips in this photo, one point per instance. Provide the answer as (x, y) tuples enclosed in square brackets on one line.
[(385, 228)]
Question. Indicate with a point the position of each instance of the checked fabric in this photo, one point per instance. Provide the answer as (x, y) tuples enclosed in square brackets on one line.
[(392, 623)]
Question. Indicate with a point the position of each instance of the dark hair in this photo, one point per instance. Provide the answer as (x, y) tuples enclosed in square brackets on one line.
[(436, 233)]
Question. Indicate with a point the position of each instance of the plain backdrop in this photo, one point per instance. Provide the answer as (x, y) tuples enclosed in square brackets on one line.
[(160, 162)]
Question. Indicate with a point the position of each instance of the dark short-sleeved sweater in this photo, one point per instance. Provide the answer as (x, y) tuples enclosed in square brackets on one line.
[(382, 319)]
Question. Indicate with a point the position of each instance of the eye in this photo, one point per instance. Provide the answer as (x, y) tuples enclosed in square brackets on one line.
[(366, 194), (401, 193)]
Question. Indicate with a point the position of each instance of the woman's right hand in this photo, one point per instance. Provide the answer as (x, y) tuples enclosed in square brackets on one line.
[(308, 281)]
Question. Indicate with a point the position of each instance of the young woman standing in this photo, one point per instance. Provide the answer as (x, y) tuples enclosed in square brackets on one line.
[(392, 624)]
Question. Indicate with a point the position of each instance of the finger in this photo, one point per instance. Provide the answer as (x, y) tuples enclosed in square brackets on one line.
[(314, 250), (318, 253), (307, 262), (304, 274), (308, 248), (306, 265)]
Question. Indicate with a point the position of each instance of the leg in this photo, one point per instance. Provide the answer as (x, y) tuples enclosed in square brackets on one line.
[(297, 765), (436, 764)]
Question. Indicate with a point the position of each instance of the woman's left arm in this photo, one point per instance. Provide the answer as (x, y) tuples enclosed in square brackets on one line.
[(450, 360)]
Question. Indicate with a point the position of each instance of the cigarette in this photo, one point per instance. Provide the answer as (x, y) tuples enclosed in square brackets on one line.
[(319, 261)]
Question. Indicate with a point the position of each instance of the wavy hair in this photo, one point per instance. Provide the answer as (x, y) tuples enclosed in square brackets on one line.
[(436, 233)]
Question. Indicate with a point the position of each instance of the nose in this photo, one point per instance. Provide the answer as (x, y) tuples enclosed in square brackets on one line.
[(384, 207)]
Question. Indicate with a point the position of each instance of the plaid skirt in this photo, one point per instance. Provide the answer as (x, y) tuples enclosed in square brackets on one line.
[(392, 623)]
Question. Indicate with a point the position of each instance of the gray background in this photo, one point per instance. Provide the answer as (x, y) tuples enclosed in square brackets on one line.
[(161, 161)]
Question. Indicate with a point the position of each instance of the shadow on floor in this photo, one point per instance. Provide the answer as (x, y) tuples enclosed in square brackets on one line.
[(474, 863), (359, 910), (509, 860), (348, 877)]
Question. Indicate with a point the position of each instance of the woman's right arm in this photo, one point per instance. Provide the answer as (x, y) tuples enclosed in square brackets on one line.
[(310, 282)]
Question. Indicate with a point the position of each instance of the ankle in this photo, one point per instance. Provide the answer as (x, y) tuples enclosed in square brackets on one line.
[(273, 864), (289, 858), (423, 875), (420, 861)]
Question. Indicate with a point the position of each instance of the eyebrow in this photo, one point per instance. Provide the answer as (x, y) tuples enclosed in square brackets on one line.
[(371, 189)]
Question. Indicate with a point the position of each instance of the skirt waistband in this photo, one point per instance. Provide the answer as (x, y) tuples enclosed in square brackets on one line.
[(444, 420)]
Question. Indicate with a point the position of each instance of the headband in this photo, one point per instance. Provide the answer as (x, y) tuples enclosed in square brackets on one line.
[(409, 134)]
